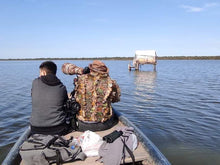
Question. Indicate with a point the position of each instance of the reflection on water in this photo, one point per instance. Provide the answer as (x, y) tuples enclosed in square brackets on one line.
[(145, 83), (145, 79)]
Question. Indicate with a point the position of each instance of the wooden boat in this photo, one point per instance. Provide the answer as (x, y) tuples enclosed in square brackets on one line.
[(146, 153)]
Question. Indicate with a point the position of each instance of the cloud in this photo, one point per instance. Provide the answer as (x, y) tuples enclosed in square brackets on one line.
[(206, 6), (192, 8)]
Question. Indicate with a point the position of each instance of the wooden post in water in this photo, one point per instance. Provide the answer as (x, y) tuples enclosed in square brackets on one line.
[(155, 67)]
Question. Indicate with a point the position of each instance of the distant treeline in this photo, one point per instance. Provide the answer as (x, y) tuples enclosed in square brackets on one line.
[(189, 58), (125, 58), (83, 58)]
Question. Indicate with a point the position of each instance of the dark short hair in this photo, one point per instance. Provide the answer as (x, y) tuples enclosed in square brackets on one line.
[(49, 66)]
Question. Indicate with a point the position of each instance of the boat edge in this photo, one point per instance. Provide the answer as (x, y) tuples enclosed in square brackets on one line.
[(12, 156), (149, 146)]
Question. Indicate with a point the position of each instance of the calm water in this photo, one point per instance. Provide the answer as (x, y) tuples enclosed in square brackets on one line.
[(177, 107)]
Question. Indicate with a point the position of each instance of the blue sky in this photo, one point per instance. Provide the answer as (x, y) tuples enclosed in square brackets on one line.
[(108, 28)]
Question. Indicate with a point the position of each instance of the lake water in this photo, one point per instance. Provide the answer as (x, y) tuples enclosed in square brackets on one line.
[(177, 107)]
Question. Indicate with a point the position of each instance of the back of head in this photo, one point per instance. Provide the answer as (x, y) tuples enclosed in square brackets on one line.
[(49, 67)]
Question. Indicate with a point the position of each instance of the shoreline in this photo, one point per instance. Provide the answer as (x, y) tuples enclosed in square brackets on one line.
[(121, 58)]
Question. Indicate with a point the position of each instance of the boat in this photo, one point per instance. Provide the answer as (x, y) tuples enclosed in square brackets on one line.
[(146, 153)]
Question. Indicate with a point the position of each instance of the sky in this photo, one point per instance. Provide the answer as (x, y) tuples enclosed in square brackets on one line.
[(108, 28)]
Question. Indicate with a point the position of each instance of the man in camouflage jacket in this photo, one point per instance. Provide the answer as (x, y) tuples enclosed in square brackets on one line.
[(95, 92)]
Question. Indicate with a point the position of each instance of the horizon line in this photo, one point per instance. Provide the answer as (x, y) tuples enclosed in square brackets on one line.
[(110, 58)]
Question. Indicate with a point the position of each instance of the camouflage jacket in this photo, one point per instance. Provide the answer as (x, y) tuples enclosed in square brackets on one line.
[(95, 92)]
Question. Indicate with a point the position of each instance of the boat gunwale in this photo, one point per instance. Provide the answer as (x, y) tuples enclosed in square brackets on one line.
[(12, 156), (149, 146)]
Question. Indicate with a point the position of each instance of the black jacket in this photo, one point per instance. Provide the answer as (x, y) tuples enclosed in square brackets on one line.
[(48, 98)]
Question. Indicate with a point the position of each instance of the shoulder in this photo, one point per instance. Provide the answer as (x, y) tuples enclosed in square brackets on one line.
[(36, 80), (62, 86)]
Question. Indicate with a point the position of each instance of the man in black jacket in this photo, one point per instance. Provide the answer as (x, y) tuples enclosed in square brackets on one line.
[(48, 97)]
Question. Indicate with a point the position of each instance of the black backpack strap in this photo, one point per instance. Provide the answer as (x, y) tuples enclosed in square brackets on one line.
[(129, 152), (58, 158), (62, 142), (37, 142), (55, 137)]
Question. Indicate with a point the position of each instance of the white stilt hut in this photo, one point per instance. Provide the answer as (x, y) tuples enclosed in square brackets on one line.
[(144, 57)]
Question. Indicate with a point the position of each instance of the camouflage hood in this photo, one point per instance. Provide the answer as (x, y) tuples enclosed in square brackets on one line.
[(98, 66)]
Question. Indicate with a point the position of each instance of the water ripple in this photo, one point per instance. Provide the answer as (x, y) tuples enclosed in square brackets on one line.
[(177, 107)]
